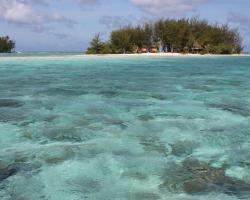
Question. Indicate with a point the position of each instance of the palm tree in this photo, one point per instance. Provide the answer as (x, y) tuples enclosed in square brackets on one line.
[(96, 45)]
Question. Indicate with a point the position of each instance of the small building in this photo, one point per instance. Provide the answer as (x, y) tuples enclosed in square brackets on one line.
[(153, 50), (143, 50), (197, 50)]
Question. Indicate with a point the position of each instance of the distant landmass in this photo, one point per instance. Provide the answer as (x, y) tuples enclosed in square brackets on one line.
[(6, 45), (169, 35)]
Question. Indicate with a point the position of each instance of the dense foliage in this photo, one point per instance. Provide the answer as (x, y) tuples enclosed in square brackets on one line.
[(170, 35), (6, 45)]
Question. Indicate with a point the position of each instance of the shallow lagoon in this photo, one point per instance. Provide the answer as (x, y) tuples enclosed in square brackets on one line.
[(125, 128)]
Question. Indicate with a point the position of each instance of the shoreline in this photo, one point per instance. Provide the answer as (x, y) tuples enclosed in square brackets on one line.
[(165, 55), (79, 56)]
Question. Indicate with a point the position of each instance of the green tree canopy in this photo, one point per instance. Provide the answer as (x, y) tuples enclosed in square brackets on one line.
[(182, 36), (96, 45), (121, 41), (6, 44)]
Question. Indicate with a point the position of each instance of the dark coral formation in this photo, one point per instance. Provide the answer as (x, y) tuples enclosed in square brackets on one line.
[(195, 177), (235, 108), (10, 103), (7, 172), (183, 148), (154, 145), (206, 178)]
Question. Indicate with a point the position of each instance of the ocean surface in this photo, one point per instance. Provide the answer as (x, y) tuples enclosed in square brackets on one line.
[(146, 128)]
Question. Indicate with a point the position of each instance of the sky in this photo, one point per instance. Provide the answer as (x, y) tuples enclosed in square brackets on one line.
[(69, 25)]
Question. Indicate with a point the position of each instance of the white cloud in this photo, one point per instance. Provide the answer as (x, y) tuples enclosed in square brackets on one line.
[(168, 7), (86, 1), (60, 19), (18, 12), (21, 12), (115, 21)]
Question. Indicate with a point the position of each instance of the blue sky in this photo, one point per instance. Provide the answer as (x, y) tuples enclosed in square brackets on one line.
[(69, 25)]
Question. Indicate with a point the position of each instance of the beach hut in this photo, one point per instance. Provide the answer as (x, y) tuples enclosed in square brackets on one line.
[(153, 50), (197, 48), (144, 50)]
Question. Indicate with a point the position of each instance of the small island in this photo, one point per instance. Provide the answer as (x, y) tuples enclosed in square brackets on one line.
[(187, 36), (6, 45)]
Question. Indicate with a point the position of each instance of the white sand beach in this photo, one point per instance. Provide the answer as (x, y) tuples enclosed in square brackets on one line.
[(164, 55), (52, 56)]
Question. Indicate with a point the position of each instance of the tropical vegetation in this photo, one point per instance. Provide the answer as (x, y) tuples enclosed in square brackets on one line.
[(170, 35), (6, 44)]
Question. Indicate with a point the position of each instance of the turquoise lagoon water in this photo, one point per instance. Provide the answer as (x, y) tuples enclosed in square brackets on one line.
[(124, 128)]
